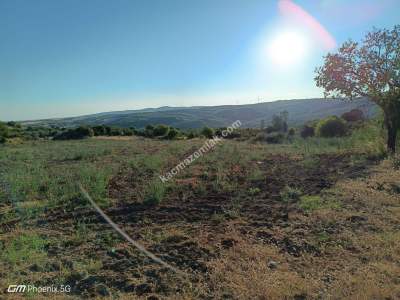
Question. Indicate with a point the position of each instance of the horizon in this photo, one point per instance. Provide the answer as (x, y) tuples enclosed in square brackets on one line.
[(174, 54)]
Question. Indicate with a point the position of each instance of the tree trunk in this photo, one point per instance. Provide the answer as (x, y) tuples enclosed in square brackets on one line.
[(391, 141)]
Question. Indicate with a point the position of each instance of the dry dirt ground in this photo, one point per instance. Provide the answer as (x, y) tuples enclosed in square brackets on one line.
[(340, 240)]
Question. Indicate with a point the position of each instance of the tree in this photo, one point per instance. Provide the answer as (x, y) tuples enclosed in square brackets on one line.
[(279, 122), (160, 130), (207, 132), (307, 131), (353, 116), (368, 69)]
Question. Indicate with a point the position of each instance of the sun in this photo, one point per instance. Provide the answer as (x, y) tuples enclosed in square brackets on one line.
[(287, 49)]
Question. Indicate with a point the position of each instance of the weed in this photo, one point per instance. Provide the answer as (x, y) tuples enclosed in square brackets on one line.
[(254, 191), (25, 249), (217, 218), (310, 203), (155, 193), (256, 175), (290, 194)]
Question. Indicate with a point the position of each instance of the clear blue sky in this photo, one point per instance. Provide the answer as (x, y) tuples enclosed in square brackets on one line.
[(73, 57)]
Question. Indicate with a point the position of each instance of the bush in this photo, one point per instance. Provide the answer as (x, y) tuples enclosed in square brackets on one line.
[(3, 130), (260, 137), (161, 130), (307, 131), (128, 131), (275, 138), (2, 139), (207, 132), (149, 131), (100, 130), (353, 116), (331, 127), (172, 134), (192, 135), (74, 134)]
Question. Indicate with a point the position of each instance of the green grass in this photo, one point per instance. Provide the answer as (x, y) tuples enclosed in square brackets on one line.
[(290, 194), (155, 193), (310, 203), (26, 249)]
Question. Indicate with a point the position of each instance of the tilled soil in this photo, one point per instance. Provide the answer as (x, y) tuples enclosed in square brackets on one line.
[(198, 221)]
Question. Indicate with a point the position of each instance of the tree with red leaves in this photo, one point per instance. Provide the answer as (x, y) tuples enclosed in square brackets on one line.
[(369, 69)]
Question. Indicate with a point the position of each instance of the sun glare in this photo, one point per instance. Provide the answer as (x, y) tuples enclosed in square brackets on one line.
[(288, 49)]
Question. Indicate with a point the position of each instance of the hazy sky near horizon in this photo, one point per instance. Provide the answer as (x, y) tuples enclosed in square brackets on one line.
[(71, 57)]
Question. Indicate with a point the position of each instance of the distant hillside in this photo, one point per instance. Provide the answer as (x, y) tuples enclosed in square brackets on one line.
[(300, 111)]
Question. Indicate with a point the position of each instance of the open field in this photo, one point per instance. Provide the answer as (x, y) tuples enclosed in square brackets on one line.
[(315, 219)]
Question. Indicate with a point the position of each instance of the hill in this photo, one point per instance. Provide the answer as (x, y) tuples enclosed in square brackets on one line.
[(300, 111)]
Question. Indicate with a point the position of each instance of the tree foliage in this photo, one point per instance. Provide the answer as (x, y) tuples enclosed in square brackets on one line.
[(368, 69)]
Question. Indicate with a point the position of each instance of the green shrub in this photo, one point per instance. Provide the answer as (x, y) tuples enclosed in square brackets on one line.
[(192, 134), (307, 131), (99, 130), (290, 194), (207, 132), (260, 137), (155, 193), (275, 138), (331, 127), (161, 130), (172, 134), (77, 133), (3, 130), (149, 131)]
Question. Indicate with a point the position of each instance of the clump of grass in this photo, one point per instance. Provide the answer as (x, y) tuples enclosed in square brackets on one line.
[(254, 191), (25, 249), (326, 200), (310, 203), (290, 194), (155, 193), (217, 218), (152, 163), (256, 175)]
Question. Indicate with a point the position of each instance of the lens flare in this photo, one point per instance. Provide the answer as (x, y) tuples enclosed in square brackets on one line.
[(295, 13)]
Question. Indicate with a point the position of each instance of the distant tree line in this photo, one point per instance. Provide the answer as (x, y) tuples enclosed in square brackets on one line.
[(12, 130), (276, 132)]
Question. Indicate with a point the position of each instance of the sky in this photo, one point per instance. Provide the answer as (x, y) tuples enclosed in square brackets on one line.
[(72, 57)]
